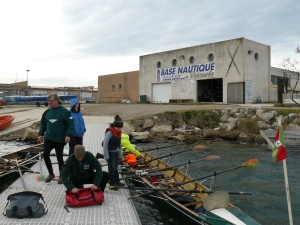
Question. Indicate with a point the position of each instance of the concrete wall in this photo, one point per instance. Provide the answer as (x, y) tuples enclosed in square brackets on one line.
[(242, 69), (257, 63), (129, 82)]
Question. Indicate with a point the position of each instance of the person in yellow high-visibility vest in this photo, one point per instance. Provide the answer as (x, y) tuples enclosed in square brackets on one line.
[(125, 142)]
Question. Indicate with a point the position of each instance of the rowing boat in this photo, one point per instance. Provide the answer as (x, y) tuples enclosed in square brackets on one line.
[(186, 194), (26, 157), (5, 121)]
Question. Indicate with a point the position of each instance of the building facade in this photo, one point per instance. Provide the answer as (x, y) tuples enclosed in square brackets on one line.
[(119, 87), (232, 71)]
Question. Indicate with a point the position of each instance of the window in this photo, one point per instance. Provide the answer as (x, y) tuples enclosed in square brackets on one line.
[(192, 60), (210, 57), (120, 86), (274, 80), (158, 64), (113, 87), (174, 62), (256, 56)]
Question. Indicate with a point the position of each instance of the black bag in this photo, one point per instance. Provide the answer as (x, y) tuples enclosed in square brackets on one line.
[(25, 204)]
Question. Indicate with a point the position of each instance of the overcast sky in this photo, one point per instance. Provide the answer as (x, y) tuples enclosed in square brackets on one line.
[(72, 42)]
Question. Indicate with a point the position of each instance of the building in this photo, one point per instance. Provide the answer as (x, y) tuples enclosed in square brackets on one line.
[(119, 87), (232, 71)]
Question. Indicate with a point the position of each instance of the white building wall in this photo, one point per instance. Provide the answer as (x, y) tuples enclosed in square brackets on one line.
[(243, 68)]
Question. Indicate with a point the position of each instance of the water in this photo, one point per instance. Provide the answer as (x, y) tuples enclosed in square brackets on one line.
[(268, 204)]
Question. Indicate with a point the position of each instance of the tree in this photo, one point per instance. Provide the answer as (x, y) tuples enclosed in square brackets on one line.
[(291, 68)]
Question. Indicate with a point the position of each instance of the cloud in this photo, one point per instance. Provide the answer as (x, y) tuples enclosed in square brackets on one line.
[(61, 41)]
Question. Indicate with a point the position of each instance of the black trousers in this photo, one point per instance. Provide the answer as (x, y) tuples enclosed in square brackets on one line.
[(59, 150), (90, 180), (73, 142)]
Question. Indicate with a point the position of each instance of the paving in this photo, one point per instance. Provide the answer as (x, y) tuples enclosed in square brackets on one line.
[(115, 210)]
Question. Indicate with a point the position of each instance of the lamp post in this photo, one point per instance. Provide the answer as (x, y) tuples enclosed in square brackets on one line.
[(27, 80)]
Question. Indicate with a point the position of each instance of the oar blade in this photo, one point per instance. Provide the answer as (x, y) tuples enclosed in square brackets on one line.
[(212, 157), (198, 147), (251, 163)]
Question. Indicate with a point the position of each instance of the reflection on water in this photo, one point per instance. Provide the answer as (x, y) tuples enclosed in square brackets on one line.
[(268, 204)]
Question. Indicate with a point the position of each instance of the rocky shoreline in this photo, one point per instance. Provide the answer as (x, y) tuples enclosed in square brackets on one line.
[(230, 124)]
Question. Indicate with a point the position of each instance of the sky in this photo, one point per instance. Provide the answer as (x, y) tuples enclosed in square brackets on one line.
[(72, 42)]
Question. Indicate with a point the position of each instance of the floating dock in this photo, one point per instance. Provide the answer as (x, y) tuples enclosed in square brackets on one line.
[(291, 138), (115, 210)]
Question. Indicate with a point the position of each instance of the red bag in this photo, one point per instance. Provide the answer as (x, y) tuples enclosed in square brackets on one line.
[(85, 197)]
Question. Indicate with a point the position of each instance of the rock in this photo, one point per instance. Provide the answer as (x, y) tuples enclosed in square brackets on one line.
[(178, 138), (296, 121), (259, 139), (148, 123), (161, 129), (127, 128), (293, 116), (225, 117), (292, 127), (244, 138), (31, 134), (262, 125)]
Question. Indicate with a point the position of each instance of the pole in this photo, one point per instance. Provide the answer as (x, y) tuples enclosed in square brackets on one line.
[(287, 192), (27, 80)]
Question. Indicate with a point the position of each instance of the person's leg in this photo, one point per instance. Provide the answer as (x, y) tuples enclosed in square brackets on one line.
[(104, 181), (59, 150), (79, 140), (113, 168), (48, 146), (72, 144)]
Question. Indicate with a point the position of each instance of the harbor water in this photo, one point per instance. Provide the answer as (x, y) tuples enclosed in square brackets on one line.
[(268, 204)]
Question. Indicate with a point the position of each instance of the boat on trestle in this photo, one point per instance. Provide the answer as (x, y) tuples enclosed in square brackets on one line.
[(194, 200)]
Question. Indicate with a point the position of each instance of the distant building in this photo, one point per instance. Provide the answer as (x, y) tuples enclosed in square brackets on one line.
[(119, 87)]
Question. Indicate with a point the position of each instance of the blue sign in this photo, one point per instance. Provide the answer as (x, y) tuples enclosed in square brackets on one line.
[(199, 71)]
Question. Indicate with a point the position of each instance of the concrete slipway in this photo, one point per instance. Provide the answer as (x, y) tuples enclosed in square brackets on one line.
[(115, 210)]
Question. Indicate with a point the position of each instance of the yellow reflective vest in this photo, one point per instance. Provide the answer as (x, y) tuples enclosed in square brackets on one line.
[(128, 146)]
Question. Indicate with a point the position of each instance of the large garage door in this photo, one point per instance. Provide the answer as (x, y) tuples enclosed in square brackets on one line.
[(161, 93), (235, 93)]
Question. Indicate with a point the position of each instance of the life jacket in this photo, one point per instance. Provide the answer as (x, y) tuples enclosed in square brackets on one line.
[(114, 142), (131, 159)]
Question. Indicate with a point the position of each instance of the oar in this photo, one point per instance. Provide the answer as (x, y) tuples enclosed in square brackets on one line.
[(146, 172), (170, 154), (13, 163), (164, 156), (22, 179), (15, 169), (178, 190), (248, 163), (189, 142)]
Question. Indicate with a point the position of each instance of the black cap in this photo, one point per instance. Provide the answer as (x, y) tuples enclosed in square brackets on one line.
[(118, 122)]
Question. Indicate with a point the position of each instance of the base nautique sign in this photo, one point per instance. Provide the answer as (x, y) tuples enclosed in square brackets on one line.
[(199, 71)]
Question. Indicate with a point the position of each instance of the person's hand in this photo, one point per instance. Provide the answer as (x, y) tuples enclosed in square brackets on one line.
[(75, 190), (41, 139), (67, 139), (93, 187)]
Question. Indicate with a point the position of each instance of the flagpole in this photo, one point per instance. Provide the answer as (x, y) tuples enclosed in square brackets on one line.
[(287, 189)]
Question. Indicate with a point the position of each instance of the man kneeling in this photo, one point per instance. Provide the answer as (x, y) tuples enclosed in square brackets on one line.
[(79, 170)]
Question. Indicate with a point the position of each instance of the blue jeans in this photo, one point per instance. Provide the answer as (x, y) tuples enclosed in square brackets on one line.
[(113, 163)]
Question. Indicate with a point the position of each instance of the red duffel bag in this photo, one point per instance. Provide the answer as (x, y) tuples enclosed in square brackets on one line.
[(84, 197)]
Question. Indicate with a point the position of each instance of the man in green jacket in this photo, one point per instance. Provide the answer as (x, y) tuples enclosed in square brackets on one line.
[(56, 128), (79, 170)]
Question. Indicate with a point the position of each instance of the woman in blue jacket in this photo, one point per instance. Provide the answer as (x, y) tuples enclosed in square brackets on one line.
[(79, 125)]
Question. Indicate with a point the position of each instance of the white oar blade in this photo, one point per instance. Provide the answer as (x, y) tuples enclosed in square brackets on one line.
[(225, 214)]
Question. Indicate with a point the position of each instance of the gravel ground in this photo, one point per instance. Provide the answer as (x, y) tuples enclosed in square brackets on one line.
[(130, 111)]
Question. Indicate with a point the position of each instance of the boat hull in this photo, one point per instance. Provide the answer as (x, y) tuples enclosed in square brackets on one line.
[(194, 210), (5, 121)]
